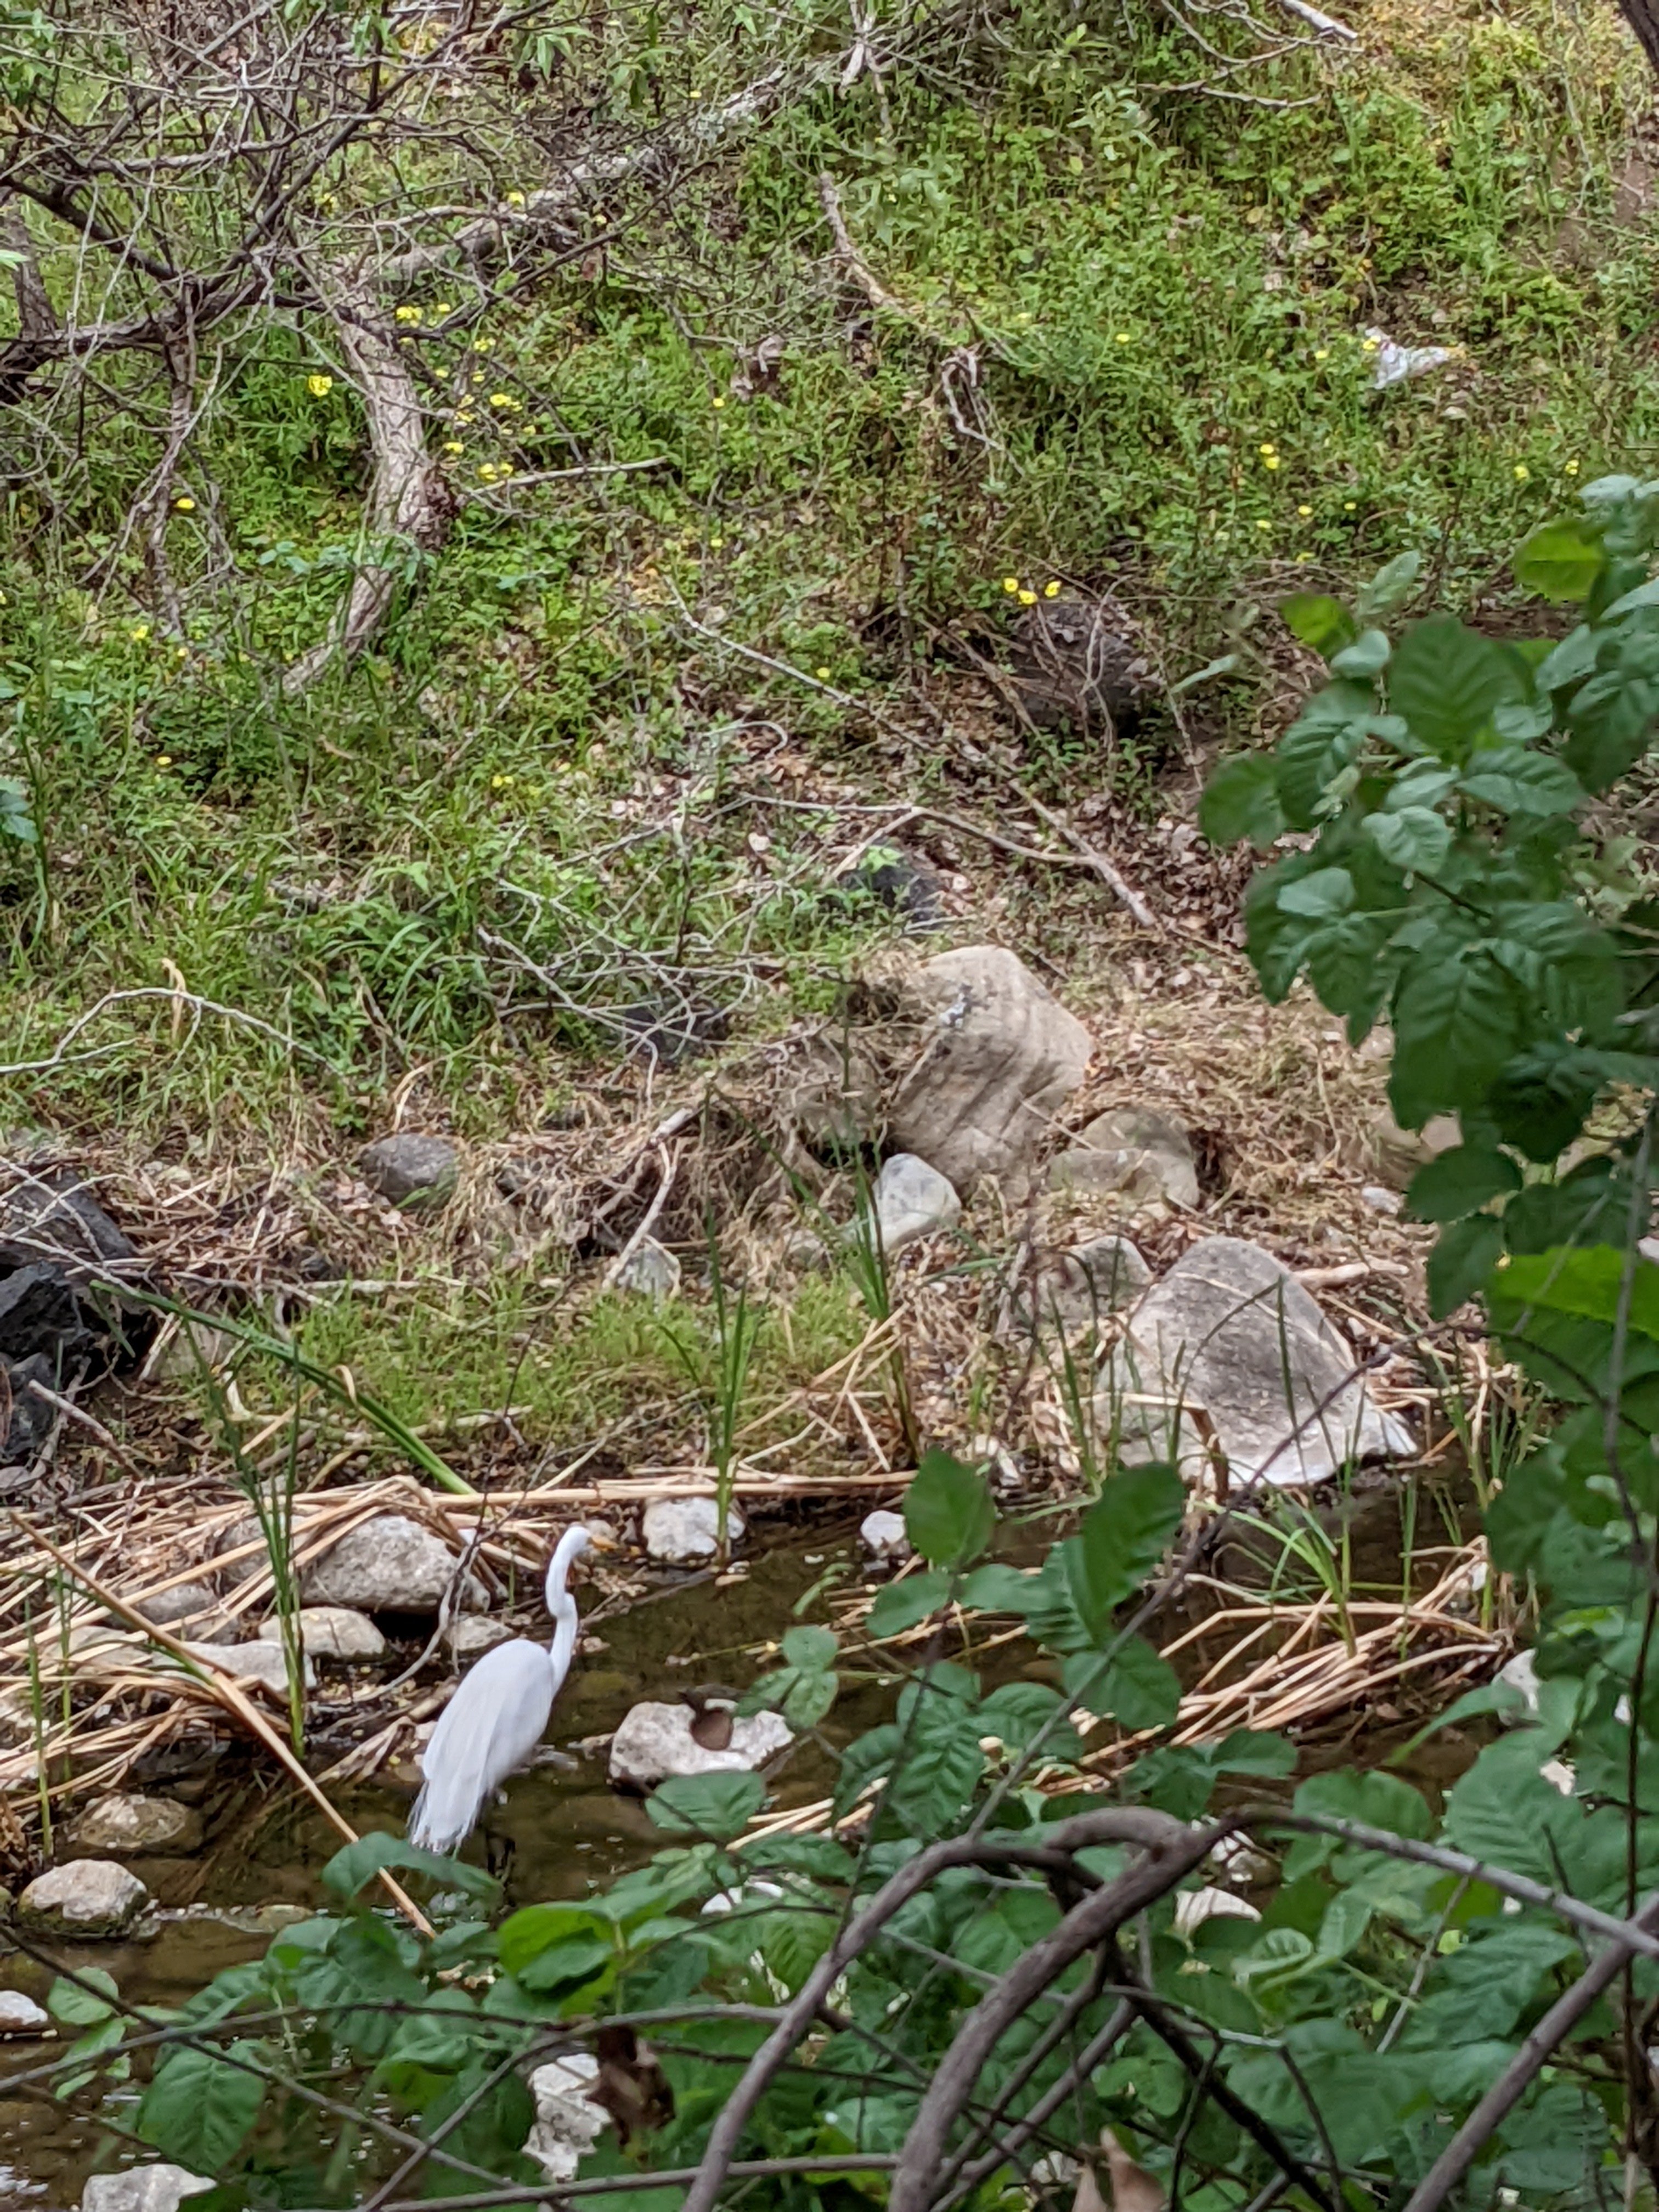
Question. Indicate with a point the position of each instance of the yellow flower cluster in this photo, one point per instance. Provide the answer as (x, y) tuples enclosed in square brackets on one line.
[(1270, 456), (320, 387), (410, 316), (1023, 593), (506, 402)]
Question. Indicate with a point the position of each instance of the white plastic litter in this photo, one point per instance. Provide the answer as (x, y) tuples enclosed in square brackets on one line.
[(1393, 363)]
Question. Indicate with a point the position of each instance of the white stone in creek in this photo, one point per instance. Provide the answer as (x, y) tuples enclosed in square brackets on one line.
[(882, 1533), (330, 1631), (21, 2015), (142, 2189), (684, 1532), (655, 1742), (87, 1897)]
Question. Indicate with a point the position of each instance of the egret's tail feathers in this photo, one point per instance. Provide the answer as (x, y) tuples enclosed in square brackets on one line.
[(440, 1822)]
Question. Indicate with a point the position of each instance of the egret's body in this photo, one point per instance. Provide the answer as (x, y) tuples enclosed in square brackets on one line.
[(494, 1720)]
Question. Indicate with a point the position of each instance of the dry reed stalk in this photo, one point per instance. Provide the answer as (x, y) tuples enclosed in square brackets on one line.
[(229, 1695)]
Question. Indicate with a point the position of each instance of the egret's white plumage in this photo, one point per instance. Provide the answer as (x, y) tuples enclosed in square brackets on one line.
[(495, 1718)]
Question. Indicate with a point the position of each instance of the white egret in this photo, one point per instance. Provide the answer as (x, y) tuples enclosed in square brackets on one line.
[(495, 1718)]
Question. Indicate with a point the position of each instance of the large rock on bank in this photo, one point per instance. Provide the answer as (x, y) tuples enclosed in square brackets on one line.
[(1001, 1056), (153, 1827), (388, 1565), (684, 1532), (1230, 1342), (655, 1742), (415, 1172), (85, 1898), (1139, 1153)]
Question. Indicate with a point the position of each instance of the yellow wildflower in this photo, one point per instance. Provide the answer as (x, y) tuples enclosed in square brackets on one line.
[(185, 504), (1261, 525), (1010, 584), (1370, 345), (164, 760), (1270, 460), (1267, 448), (500, 398), (515, 199), (501, 783), (327, 201), (1305, 556), (1349, 505), (483, 345), (320, 387), (1123, 338), (1028, 599), (719, 400), (1523, 473), (442, 307), (823, 674), (1322, 353), (139, 632), (1570, 468), (487, 471), (454, 445), (1305, 512), (408, 314), (1051, 589)]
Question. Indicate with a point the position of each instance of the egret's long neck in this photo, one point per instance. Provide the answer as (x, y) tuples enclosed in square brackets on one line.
[(565, 1628), (560, 1603)]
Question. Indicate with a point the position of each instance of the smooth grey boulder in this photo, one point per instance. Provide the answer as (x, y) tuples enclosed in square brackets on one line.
[(684, 1532), (415, 1172), (911, 1200), (388, 1565), (84, 1897), (264, 1663), (331, 1631), (1229, 1352), (154, 1827), (178, 1603), (1000, 1057), (1075, 1288), (1138, 1153), (655, 1742), (473, 1634)]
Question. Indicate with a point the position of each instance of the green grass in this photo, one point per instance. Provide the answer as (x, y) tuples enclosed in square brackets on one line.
[(1157, 288), (572, 1375)]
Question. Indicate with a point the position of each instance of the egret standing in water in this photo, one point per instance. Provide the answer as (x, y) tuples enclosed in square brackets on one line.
[(495, 1718)]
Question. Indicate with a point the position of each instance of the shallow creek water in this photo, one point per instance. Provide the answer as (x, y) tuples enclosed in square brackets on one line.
[(567, 1827)]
